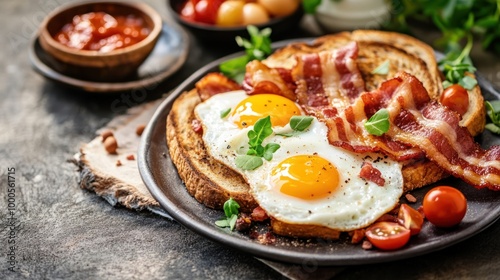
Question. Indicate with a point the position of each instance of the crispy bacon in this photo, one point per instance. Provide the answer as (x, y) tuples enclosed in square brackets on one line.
[(434, 129), (329, 78), (214, 83), (370, 173), (262, 79)]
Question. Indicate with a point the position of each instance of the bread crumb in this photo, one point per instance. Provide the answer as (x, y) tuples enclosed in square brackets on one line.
[(118, 163), (131, 157)]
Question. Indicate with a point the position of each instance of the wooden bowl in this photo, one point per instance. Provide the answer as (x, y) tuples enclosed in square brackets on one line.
[(215, 35), (115, 65)]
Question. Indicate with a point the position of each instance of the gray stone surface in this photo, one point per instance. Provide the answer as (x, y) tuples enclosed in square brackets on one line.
[(63, 232)]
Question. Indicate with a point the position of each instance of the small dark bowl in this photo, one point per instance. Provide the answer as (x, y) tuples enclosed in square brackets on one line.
[(212, 34), (116, 65)]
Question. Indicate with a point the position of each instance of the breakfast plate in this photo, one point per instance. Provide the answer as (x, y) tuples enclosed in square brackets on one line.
[(160, 176), (168, 55)]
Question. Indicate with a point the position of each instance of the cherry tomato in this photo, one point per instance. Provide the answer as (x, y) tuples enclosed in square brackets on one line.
[(456, 98), (187, 11), (279, 8), (412, 219), (254, 13), (206, 10), (388, 235), (230, 13), (444, 206)]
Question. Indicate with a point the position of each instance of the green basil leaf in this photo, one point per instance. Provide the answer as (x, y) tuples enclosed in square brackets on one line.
[(446, 84), (224, 113), (300, 123), (289, 134), (247, 162), (269, 150), (379, 123), (232, 221), (493, 110), (261, 130), (493, 128), (310, 6), (231, 207), (234, 67), (382, 69), (222, 223), (468, 82)]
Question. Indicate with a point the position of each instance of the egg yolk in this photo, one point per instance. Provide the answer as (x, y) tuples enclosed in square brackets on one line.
[(258, 106), (305, 176)]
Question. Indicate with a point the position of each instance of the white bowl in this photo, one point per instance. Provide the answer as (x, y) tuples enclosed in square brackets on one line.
[(334, 16)]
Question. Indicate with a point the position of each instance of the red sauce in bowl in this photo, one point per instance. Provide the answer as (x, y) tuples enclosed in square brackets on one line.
[(99, 31)]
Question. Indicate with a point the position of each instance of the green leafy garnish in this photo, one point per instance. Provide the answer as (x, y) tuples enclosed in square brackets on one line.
[(379, 123), (382, 69), (247, 162), (231, 211), (261, 130), (224, 113), (298, 124), (493, 112), (310, 6), (456, 64), (258, 47)]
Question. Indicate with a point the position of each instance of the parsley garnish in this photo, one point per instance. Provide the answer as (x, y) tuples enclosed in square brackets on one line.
[(382, 69), (456, 64), (493, 111), (231, 211), (224, 113), (379, 123), (259, 47), (261, 130), (298, 124)]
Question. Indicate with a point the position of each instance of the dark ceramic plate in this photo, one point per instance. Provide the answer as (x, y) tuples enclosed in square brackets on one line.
[(161, 178), (168, 55)]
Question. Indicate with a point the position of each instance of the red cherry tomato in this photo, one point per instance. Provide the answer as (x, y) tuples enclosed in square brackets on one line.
[(444, 206), (411, 218), (187, 11), (456, 98), (206, 10), (388, 235)]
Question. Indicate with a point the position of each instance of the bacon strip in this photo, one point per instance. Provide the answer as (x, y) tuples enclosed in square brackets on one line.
[(328, 78), (214, 83), (370, 173), (432, 128), (262, 79)]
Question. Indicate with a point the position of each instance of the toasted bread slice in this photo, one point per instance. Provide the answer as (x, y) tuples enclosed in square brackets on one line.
[(206, 179)]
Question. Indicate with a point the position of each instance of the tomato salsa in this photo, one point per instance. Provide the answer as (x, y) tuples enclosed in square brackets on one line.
[(99, 31)]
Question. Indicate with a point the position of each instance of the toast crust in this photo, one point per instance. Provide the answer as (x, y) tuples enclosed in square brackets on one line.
[(212, 183)]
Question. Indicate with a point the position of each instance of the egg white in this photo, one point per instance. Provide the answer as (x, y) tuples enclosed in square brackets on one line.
[(354, 204)]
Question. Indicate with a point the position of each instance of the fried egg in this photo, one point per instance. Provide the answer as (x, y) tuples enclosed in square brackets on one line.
[(308, 181)]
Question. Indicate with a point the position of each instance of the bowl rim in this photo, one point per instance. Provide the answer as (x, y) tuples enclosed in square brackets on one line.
[(210, 27), (140, 6)]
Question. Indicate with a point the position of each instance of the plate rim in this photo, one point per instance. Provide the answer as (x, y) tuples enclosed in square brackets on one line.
[(266, 251), (109, 87)]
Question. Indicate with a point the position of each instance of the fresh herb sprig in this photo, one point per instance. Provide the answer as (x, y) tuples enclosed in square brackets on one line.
[(457, 20), (493, 112), (298, 124), (378, 124), (456, 64), (253, 159), (258, 47), (231, 211)]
